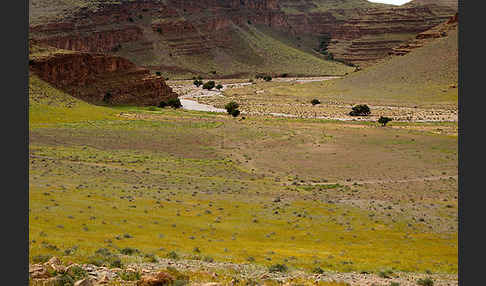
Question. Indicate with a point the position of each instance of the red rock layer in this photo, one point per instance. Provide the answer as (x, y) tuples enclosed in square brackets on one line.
[(91, 76)]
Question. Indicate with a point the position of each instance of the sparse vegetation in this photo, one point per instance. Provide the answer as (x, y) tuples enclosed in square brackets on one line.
[(278, 268), (315, 101), (360, 110), (174, 103), (208, 85), (232, 108), (425, 282), (384, 120)]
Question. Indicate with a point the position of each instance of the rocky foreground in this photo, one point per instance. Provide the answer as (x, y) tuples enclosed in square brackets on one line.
[(196, 272)]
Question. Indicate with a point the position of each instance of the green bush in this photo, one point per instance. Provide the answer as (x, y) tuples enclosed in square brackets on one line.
[(384, 120), (197, 82), (315, 101), (77, 273), (174, 103), (163, 104), (231, 106), (173, 255), (267, 78), (209, 85), (360, 110), (235, 112), (129, 275), (41, 258), (158, 73), (278, 268), (219, 86), (107, 97), (129, 251), (317, 270), (425, 282)]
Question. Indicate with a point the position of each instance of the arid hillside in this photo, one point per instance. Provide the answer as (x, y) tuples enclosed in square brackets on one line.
[(234, 38)]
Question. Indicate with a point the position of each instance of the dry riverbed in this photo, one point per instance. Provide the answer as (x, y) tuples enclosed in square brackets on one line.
[(257, 99)]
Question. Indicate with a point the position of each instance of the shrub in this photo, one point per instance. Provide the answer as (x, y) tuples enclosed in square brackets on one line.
[(219, 86), (267, 78), (384, 120), (107, 97), (152, 108), (208, 259), (198, 82), (41, 258), (65, 280), (385, 274), (209, 85), (129, 275), (179, 278), (315, 101), (150, 258), (163, 104), (158, 73), (174, 103), (130, 19), (317, 270), (77, 273), (360, 110), (129, 251), (173, 255), (425, 282), (232, 108), (278, 268), (159, 30)]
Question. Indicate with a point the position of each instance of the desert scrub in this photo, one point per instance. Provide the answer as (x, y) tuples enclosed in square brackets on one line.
[(425, 282), (129, 275), (173, 255), (278, 268)]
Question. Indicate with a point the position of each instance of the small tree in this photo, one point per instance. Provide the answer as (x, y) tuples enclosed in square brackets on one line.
[(231, 106), (174, 103), (209, 85), (235, 112), (107, 97), (360, 110), (219, 86), (315, 101), (163, 104), (384, 120)]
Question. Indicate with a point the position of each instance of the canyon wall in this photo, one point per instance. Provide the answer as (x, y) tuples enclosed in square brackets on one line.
[(361, 33), (91, 77)]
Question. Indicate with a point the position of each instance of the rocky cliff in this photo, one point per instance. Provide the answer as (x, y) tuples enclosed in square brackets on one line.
[(98, 78), (157, 33)]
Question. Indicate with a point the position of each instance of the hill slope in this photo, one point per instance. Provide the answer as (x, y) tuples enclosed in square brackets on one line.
[(50, 105), (428, 74), (186, 38)]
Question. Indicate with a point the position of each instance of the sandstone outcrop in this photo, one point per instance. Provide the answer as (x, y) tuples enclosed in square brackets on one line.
[(151, 32), (423, 38), (99, 78)]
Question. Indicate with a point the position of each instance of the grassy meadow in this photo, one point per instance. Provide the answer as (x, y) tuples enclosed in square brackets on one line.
[(151, 182)]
